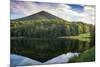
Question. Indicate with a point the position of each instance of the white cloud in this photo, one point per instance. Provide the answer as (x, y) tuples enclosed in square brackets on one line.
[(88, 15), (60, 10)]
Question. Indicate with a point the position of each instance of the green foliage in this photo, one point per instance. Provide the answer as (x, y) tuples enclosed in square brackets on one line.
[(44, 25), (48, 28), (86, 56)]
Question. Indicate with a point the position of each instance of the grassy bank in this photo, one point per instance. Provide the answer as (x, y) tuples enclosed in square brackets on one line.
[(86, 56), (82, 37)]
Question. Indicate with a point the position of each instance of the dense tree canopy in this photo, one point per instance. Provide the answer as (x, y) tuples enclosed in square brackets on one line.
[(49, 28)]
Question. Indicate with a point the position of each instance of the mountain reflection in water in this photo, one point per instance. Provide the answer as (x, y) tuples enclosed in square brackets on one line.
[(45, 49), (17, 60)]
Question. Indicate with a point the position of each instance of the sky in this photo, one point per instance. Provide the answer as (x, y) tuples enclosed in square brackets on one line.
[(70, 12)]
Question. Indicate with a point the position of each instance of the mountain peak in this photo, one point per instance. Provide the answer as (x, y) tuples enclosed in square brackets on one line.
[(40, 16), (43, 11)]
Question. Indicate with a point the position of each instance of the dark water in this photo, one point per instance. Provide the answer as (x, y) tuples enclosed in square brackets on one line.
[(45, 49)]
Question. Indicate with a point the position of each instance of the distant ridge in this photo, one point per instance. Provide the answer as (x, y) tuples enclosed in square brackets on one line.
[(40, 16)]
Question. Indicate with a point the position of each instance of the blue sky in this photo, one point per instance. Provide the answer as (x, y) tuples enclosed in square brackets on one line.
[(71, 12), (76, 7)]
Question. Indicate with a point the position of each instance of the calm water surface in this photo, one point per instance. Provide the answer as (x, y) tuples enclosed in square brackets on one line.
[(43, 50)]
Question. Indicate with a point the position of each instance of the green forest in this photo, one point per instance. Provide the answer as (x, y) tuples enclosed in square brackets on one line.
[(49, 28)]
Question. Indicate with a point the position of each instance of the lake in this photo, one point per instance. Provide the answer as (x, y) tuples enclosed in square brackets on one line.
[(43, 50)]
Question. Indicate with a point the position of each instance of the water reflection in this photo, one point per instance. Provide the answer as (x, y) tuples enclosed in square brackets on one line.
[(45, 49), (17, 60)]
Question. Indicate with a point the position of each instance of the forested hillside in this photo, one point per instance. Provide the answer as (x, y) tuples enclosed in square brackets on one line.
[(43, 25)]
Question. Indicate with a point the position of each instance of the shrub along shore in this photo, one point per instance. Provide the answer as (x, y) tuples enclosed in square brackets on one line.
[(86, 56)]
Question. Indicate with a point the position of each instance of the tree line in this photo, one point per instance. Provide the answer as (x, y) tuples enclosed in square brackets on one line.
[(49, 28)]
